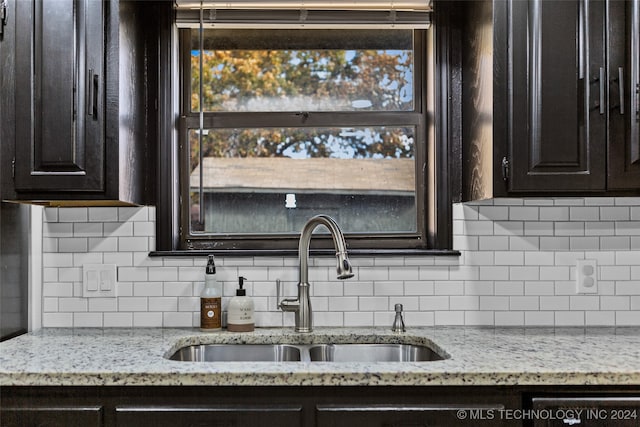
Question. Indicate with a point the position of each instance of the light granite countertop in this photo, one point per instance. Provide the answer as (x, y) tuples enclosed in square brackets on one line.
[(474, 356)]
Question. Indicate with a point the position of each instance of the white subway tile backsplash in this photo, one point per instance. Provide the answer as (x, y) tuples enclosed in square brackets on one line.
[(147, 289), (390, 288), (104, 244), (343, 303), (509, 318), (117, 229), (103, 215), (374, 303), (475, 318), (539, 318), (584, 213), (464, 303), (517, 267), (494, 213), (509, 288), (493, 243), (554, 303), (147, 320), (434, 303), (87, 229), (49, 305), (570, 318), (494, 273), (554, 243), (118, 320), (90, 320), (539, 288), (615, 302), (579, 243), (103, 304), (523, 213), (449, 317), (538, 228), (132, 304), (58, 320), (556, 213), (627, 318), (358, 319), (73, 215), (133, 214), (479, 288), (57, 260), (163, 304), (600, 318)]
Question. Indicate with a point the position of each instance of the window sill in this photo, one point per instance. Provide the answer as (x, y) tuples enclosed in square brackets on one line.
[(313, 252)]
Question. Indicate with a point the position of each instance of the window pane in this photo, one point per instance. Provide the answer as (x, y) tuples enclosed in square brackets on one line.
[(303, 70), (273, 180)]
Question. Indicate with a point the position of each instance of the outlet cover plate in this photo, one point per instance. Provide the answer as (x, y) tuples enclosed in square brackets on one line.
[(586, 276)]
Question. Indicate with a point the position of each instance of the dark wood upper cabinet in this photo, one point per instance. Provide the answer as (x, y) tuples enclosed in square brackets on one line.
[(548, 98), (624, 98), (557, 112), (85, 101), (59, 81)]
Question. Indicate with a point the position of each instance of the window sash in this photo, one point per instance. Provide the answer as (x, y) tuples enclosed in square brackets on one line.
[(308, 14), (288, 241)]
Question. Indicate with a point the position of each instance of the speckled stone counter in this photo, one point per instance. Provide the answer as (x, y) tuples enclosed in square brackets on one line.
[(474, 356)]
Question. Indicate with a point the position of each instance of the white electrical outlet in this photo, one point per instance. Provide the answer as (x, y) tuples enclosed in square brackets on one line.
[(99, 280), (586, 276)]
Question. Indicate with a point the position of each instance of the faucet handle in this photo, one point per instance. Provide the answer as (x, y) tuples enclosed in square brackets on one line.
[(278, 284), (398, 322), (279, 301)]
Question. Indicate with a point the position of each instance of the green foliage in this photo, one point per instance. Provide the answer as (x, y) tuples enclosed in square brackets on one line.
[(319, 80)]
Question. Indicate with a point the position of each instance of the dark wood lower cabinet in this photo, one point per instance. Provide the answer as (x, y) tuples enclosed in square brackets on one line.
[(51, 416), (432, 406), (409, 415), (592, 411), (209, 416)]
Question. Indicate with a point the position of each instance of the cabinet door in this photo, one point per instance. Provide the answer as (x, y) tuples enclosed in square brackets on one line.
[(557, 96), (586, 412), (624, 99), (59, 107), (51, 417), (209, 416), (409, 415)]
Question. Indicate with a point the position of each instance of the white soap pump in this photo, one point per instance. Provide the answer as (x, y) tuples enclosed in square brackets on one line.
[(240, 311)]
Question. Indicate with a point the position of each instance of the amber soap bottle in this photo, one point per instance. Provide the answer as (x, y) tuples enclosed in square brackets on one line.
[(211, 300)]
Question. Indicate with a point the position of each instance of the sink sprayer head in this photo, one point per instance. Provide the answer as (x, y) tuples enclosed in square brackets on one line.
[(344, 266)]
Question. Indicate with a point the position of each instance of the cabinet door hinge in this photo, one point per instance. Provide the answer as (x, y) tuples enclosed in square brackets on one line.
[(13, 168), (505, 169)]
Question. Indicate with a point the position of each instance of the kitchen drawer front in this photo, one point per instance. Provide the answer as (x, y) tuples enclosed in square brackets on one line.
[(209, 416), (431, 415)]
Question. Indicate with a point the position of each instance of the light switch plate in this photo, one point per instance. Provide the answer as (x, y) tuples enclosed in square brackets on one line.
[(99, 280), (586, 276)]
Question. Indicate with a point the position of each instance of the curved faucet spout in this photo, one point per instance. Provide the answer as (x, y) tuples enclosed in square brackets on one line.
[(302, 305), (343, 264)]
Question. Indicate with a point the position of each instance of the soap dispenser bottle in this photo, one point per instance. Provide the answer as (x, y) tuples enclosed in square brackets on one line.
[(240, 311), (211, 300)]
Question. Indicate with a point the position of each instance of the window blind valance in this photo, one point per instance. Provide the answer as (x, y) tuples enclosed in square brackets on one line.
[(305, 14)]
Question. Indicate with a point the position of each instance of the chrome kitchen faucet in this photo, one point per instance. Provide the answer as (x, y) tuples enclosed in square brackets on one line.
[(302, 305)]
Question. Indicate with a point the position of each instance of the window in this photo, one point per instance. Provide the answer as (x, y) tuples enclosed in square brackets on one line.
[(289, 123)]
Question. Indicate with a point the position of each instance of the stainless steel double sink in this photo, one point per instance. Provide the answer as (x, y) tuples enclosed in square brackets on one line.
[(370, 352)]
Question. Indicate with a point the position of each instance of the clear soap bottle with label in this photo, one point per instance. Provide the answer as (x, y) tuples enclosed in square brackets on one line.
[(240, 311), (211, 300)]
